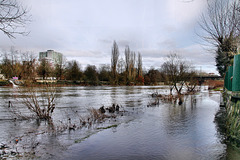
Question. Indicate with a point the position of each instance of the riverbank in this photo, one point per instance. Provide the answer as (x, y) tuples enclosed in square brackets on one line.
[(57, 83), (213, 84)]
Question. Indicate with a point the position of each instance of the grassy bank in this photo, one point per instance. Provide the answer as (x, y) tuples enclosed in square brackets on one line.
[(232, 101), (4, 83)]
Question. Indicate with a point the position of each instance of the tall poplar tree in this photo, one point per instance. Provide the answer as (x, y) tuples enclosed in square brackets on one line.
[(114, 61)]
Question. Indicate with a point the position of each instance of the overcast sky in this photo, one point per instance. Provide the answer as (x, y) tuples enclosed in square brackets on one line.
[(85, 30)]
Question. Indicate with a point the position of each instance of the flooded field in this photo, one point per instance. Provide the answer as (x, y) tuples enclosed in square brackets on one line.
[(164, 131)]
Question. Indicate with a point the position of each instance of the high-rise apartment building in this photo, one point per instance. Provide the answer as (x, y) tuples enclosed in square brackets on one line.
[(52, 57)]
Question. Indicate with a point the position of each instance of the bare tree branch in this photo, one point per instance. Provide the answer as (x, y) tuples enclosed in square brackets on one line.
[(13, 18), (220, 21), (221, 24)]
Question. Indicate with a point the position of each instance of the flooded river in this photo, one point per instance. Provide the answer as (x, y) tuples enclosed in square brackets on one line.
[(165, 131)]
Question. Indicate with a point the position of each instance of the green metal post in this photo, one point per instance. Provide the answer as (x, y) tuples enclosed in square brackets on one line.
[(230, 74), (236, 73)]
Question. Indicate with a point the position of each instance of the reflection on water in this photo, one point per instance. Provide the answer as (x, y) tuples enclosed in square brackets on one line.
[(166, 131)]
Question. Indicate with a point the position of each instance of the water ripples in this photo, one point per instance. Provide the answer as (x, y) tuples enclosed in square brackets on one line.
[(166, 131)]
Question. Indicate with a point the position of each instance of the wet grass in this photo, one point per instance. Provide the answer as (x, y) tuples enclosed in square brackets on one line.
[(112, 126), (218, 89), (232, 122), (99, 128)]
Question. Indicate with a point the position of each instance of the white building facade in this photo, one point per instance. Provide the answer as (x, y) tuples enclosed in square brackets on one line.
[(52, 57)]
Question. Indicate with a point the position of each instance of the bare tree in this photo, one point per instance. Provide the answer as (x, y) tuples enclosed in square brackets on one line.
[(132, 67), (13, 18), (192, 82), (139, 65), (10, 63), (28, 66), (6, 66), (221, 21), (127, 63), (114, 62), (221, 29), (176, 72), (17, 63), (120, 66), (59, 69), (39, 101)]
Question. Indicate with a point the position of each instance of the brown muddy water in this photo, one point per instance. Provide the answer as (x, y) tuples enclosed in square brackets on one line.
[(165, 131)]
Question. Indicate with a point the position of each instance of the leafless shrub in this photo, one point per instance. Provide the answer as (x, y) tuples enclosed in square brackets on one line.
[(154, 101), (40, 103), (95, 115), (156, 98)]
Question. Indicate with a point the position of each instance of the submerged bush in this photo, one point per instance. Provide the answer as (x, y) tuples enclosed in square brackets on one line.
[(39, 101)]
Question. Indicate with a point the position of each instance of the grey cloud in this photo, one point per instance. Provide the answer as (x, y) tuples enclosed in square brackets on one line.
[(105, 41), (85, 32), (168, 43), (123, 43)]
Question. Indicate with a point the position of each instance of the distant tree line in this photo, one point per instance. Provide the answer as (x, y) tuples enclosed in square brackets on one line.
[(127, 71)]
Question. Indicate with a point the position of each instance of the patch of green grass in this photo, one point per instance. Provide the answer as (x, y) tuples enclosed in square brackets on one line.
[(112, 126), (100, 128), (218, 89)]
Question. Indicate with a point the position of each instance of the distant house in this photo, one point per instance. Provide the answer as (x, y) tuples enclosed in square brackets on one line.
[(211, 74), (2, 77), (52, 57)]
